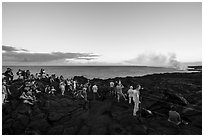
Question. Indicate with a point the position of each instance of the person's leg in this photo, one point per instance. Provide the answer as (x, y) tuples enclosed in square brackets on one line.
[(62, 92), (118, 96), (94, 96), (135, 109), (137, 106), (3, 98), (6, 98), (129, 100), (124, 96)]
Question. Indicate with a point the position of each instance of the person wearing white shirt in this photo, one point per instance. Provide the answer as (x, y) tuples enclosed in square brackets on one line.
[(130, 94), (95, 91), (136, 96)]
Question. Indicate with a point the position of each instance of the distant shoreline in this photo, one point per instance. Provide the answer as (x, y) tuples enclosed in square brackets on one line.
[(102, 72), (86, 66)]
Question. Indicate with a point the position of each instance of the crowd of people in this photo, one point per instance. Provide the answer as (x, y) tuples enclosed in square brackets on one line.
[(31, 91)]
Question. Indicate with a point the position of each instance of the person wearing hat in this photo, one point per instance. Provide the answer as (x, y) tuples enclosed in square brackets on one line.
[(130, 94)]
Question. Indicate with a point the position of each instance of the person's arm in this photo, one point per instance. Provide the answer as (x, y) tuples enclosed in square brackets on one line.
[(30, 97), (82, 96), (179, 117), (8, 91), (23, 96)]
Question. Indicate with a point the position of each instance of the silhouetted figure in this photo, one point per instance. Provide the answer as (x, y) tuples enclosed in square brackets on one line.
[(8, 75)]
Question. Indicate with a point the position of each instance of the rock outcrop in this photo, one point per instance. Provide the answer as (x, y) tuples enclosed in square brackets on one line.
[(65, 115)]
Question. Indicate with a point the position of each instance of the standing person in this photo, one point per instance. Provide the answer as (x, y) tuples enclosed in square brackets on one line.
[(5, 92), (119, 90), (88, 86), (52, 91), (69, 83), (85, 96), (112, 89), (95, 91), (136, 96), (19, 73), (84, 93), (74, 85), (27, 74), (130, 94), (62, 87), (9, 75), (47, 89)]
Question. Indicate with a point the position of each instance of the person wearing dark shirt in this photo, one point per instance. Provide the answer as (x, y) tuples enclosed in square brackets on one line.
[(9, 75)]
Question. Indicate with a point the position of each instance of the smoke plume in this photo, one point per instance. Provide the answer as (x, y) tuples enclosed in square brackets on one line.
[(158, 60)]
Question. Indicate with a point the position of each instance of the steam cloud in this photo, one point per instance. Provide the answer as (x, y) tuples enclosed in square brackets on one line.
[(158, 60)]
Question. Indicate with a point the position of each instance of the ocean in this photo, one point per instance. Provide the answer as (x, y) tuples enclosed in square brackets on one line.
[(90, 72)]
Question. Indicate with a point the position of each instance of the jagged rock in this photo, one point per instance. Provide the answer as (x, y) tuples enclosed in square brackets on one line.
[(53, 116), (70, 131), (99, 131), (42, 125), (24, 120), (84, 130), (65, 114), (7, 127), (80, 79), (23, 108), (116, 129), (65, 102), (6, 108), (52, 104), (18, 128), (139, 130), (57, 130), (32, 132), (37, 116), (5, 117)]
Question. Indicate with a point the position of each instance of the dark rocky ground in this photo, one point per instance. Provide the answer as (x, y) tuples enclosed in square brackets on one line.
[(64, 115)]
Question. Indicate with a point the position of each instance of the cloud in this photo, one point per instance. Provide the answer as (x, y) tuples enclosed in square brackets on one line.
[(85, 58), (11, 55), (153, 59), (11, 49)]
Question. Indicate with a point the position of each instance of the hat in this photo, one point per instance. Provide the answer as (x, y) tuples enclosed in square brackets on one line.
[(131, 87)]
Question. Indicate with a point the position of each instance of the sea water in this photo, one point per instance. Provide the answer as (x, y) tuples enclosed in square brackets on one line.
[(90, 72)]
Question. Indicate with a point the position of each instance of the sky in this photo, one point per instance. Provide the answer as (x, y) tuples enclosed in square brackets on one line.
[(118, 33)]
